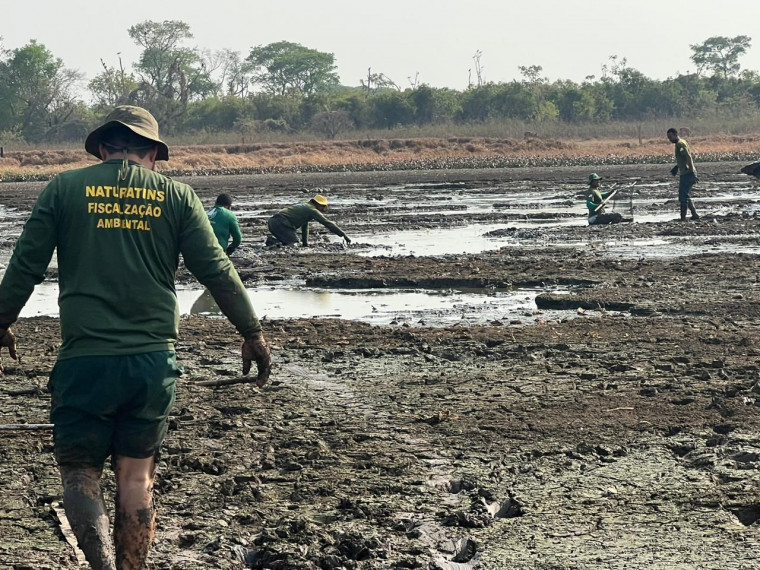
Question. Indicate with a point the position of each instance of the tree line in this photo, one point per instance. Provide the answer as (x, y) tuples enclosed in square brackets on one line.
[(288, 87)]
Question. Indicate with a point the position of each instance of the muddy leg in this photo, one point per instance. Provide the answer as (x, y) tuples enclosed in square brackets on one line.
[(683, 211), (86, 511), (693, 210), (135, 522)]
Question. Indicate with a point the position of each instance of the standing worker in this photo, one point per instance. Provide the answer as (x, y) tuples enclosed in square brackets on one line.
[(285, 223), (225, 224), (119, 228), (684, 166), (594, 199)]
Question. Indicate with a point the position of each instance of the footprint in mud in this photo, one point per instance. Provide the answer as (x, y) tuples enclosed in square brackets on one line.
[(458, 555), (747, 515)]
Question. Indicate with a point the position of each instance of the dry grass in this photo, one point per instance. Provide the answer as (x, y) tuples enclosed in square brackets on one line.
[(288, 156)]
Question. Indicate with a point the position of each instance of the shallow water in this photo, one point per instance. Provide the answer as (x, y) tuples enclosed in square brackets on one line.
[(374, 306)]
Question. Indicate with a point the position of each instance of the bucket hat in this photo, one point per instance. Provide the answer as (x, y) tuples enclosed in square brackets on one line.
[(320, 199), (137, 120), (594, 176)]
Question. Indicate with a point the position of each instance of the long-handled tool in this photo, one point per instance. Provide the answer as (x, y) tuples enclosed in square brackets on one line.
[(25, 427), (612, 195)]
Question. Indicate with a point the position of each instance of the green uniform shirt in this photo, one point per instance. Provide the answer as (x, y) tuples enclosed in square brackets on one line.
[(682, 156), (225, 224), (593, 199), (299, 216), (118, 249)]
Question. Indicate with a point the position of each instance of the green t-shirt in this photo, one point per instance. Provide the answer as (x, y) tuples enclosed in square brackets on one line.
[(594, 198), (118, 244), (682, 156), (299, 216), (225, 224)]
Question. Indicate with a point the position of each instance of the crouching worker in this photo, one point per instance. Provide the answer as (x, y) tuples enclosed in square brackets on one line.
[(752, 169), (594, 199), (285, 223), (113, 383)]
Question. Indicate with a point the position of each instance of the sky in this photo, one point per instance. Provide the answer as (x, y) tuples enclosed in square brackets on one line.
[(430, 41)]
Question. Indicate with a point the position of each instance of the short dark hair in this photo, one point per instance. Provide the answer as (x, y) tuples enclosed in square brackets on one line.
[(672, 130), (119, 137), (224, 200)]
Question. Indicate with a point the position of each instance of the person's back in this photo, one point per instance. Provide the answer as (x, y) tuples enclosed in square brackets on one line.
[(118, 246), (225, 224), (299, 214), (119, 228)]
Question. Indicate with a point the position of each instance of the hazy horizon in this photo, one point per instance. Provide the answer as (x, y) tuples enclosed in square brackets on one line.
[(569, 39)]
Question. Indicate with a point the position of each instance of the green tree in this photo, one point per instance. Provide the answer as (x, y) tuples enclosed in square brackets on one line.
[(113, 86), (720, 54), (391, 109), (355, 101), (37, 92), (171, 75), (285, 68), (433, 105)]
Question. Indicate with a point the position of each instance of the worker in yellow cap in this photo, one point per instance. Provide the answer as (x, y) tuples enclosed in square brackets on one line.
[(285, 223)]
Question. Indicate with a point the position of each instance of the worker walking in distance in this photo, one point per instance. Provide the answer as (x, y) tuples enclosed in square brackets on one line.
[(688, 173), (225, 224), (119, 228), (285, 223), (594, 200)]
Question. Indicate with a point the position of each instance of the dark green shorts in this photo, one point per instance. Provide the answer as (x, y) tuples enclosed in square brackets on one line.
[(111, 405)]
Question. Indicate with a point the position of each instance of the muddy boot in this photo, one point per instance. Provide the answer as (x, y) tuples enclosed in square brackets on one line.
[(683, 212), (693, 210)]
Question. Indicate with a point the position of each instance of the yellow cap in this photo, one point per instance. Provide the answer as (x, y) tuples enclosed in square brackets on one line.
[(321, 200)]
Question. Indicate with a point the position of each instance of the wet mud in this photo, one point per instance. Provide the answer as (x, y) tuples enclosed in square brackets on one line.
[(618, 427)]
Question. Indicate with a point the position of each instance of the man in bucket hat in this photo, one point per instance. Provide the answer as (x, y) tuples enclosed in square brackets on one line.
[(119, 228), (285, 223)]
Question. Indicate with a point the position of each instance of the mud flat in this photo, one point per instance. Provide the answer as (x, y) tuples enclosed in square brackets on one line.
[(612, 423)]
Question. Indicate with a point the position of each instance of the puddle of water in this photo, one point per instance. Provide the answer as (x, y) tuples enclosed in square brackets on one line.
[(374, 306), (378, 306), (436, 241), (665, 249)]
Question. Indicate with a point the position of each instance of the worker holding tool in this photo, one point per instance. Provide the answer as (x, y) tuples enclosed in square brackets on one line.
[(595, 202), (688, 173), (285, 223), (119, 228)]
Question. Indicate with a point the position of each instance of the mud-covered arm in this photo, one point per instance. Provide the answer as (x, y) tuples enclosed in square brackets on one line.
[(333, 227), (205, 259), (305, 234), (31, 257)]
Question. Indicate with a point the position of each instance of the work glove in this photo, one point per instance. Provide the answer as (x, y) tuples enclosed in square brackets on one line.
[(674, 170), (256, 348), (8, 339), (348, 240), (230, 250)]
